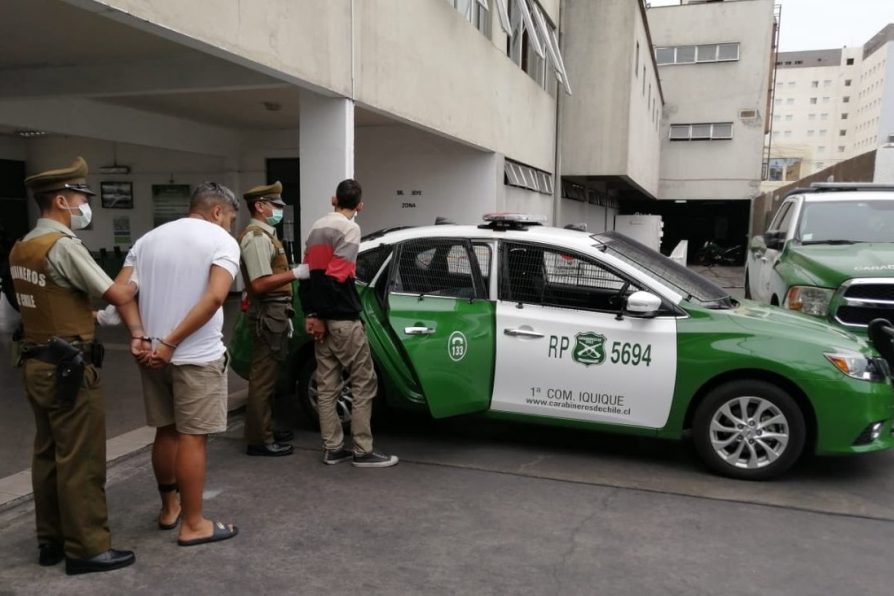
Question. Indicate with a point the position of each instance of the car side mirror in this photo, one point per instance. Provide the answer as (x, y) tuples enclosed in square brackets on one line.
[(774, 240), (642, 304), (758, 245)]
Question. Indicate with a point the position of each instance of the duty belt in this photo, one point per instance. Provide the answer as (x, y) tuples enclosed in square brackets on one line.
[(93, 352)]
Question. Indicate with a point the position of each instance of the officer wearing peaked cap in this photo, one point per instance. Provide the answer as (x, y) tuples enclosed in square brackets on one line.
[(55, 278), (268, 282)]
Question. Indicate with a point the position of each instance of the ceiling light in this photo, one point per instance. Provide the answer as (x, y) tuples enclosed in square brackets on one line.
[(27, 134), (115, 169)]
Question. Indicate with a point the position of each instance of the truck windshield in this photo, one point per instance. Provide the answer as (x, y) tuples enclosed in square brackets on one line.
[(692, 286), (847, 222)]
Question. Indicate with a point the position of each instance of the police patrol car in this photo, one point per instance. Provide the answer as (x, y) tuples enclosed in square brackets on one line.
[(520, 321)]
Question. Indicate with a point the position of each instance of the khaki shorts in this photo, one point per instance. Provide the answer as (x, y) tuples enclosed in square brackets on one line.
[(192, 397)]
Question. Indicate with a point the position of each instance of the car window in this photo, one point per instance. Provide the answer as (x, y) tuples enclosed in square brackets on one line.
[(541, 275), (847, 221), (783, 219), (438, 267), (370, 261)]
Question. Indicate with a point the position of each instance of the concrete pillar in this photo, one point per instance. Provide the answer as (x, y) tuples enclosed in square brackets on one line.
[(884, 164), (326, 153)]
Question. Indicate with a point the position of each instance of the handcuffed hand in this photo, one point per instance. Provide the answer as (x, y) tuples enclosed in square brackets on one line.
[(108, 316), (141, 349), (161, 355), (316, 328)]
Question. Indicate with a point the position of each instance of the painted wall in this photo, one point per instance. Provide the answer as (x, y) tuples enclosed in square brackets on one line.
[(12, 148), (729, 169), (455, 181), (609, 125)]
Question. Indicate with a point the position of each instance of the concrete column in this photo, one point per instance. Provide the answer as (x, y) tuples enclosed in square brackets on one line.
[(326, 153)]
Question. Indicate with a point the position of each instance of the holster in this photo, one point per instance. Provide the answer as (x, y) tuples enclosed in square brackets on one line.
[(70, 367)]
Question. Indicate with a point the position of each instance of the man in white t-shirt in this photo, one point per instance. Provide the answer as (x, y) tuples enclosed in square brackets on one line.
[(185, 269)]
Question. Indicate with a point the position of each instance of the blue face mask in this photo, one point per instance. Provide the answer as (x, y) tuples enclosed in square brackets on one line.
[(275, 218)]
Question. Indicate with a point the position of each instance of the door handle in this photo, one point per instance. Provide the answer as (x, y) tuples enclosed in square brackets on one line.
[(418, 330), (522, 333)]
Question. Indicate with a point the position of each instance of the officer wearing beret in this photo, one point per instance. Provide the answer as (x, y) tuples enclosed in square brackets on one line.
[(268, 281), (55, 278)]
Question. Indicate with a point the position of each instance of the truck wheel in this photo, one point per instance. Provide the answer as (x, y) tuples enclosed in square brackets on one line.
[(751, 430), (306, 390)]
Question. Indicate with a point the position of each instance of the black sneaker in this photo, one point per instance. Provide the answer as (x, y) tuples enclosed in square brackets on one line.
[(270, 449), (337, 456), (50, 554), (374, 460), (283, 436)]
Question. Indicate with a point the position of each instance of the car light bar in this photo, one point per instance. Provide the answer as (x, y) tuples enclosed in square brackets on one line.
[(528, 218)]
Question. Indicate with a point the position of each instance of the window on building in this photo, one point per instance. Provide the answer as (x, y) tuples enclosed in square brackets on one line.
[(636, 65), (787, 133), (475, 11), (789, 117), (712, 52), (532, 42), (842, 132), (820, 165), (790, 101), (812, 100), (845, 99), (847, 82), (814, 84), (791, 83), (827, 83), (707, 131), (844, 116), (826, 99), (522, 176), (811, 116), (850, 61), (784, 168), (823, 131), (840, 148), (824, 116), (821, 148)]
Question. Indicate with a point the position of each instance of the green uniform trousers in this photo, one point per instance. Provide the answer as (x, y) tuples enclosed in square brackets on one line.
[(261, 387), (68, 470)]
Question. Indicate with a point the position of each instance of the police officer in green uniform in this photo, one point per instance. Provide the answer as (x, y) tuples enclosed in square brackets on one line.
[(54, 278), (268, 281)]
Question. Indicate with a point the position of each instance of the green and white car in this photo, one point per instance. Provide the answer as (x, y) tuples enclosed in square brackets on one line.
[(828, 253), (519, 321)]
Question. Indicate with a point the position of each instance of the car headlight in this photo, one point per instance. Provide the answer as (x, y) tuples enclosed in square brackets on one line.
[(809, 300), (858, 366)]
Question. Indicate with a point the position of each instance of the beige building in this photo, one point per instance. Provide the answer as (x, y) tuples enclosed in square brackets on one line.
[(829, 106), (441, 108)]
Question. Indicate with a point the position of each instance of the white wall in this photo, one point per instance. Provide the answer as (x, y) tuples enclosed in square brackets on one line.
[(456, 182), (597, 217), (714, 92), (148, 166), (608, 126)]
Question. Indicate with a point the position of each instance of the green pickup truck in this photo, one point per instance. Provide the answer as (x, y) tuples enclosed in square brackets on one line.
[(828, 253)]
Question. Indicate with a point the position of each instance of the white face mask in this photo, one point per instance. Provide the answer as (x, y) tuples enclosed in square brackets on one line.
[(81, 220)]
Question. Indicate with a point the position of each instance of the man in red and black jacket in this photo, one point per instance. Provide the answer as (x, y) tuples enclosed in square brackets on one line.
[(332, 317)]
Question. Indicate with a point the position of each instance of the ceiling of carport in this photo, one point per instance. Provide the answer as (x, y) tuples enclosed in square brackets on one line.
[(43, 41)]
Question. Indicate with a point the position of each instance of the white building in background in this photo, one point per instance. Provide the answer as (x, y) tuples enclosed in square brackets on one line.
[(830, 106), (446, 108)]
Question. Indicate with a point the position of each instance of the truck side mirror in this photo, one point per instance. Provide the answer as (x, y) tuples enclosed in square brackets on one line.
[(758, 245)]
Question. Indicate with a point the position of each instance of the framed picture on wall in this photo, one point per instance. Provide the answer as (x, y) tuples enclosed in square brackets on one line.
[(116, 195)]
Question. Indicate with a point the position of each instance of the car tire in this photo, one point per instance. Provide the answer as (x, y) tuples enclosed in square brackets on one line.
[(749, 429), (306, 390)]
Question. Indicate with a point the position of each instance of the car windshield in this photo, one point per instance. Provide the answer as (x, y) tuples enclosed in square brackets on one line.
[(847, 222), (692, 286)]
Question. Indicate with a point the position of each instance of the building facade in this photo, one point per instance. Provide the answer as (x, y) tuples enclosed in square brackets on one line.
[(830, 106), (441, 108)]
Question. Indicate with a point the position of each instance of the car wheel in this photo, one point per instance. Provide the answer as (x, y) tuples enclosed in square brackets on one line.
[(751, 430), (308, 395), (747, 286)]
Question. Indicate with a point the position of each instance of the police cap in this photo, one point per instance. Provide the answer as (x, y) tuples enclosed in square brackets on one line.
[(268, 192), (72, 178)]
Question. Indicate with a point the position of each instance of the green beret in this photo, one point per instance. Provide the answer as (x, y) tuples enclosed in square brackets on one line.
[(270, 192), (73, 178)]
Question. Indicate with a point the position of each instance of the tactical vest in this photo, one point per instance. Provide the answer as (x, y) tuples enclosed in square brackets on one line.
[(278, 264), (47, 308)]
